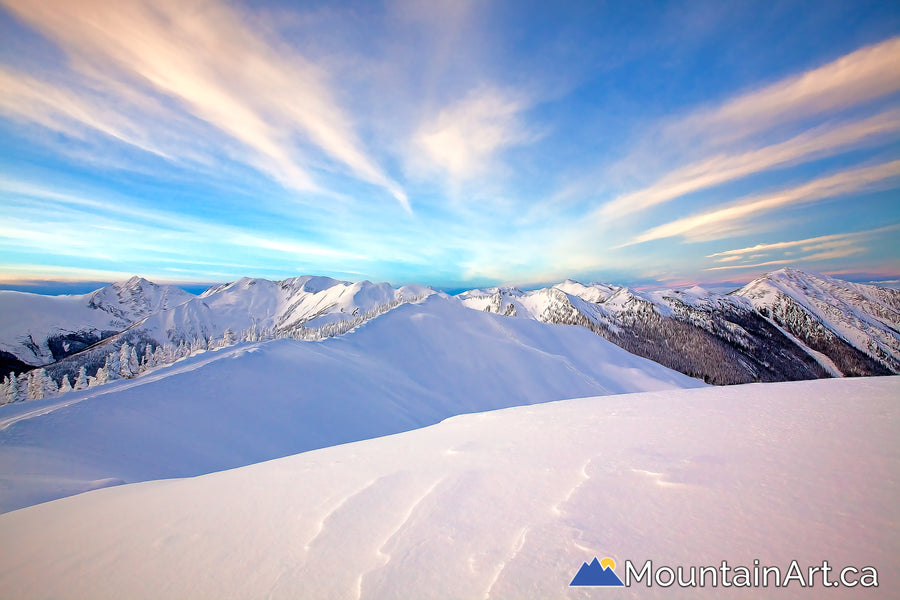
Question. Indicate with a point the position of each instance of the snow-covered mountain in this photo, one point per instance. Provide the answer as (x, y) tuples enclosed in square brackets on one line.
[(788, 325), (280, 306), (856, 326), (408, 368), (270, 308), (37, 330), (715, 337), (506, 504)]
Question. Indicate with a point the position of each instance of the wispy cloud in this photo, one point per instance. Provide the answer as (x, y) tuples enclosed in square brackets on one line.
[(67, 111), (746, 134), (273, 137), (464, 137), (843, 253), (822, 113), (706, 173), (806, 244), (769, 263), (819, 248), (204, 56), (720, 222), (853, 79)]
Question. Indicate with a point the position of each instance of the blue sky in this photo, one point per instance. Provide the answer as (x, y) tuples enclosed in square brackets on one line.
[(455, 144)]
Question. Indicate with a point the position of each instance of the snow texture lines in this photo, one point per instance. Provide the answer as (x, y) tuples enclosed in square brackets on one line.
[(516, 548), (384, 557), (584, 476)]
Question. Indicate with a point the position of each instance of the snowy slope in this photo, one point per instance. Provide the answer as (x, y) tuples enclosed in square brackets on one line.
[(817, 308), (408, 368), (40, 329), (505, 505)]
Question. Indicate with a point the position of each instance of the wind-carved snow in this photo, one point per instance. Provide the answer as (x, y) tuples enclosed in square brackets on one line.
[(464, 509), (584, 476), (514, 551), (383, 556)]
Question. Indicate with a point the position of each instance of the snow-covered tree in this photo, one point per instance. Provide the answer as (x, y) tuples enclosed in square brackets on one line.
[(101, 377), (200, 344), (164, 355), (65, 386), (112, 365), (49, 387), (81, 381), (127, 370), (133, 363), (35, 384), (148, 361), (11, 392)]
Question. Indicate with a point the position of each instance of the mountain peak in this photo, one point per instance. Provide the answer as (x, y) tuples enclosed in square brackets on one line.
[(135, 282), (136, 298)]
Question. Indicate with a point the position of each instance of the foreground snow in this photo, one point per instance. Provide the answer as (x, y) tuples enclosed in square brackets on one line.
[(412, 367), (506, 504)]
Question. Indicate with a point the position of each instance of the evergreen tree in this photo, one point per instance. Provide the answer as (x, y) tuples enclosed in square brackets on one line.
[(12, 389), (4, 389), (48, 386), (102, 376), (112, 366), (133, 364), (65, 386), (35, 388), (125, 370), (162, 355), (149, 360), (81, 381)]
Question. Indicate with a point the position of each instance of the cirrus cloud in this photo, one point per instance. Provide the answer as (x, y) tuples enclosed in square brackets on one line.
[(203, 58)]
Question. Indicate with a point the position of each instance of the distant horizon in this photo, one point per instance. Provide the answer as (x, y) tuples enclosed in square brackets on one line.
[(56, 288), (456, 144)]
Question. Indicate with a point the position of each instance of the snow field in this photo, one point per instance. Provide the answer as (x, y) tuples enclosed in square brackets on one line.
[(505, 504)]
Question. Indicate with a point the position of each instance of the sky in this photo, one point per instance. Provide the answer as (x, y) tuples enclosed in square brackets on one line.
[(454, 144)]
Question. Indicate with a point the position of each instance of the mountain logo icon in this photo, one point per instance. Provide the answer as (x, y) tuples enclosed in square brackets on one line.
[(598, 573)]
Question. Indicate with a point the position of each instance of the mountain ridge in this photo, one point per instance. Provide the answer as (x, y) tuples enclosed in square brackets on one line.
[(49, 328), (785, 325), (728, 338)]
